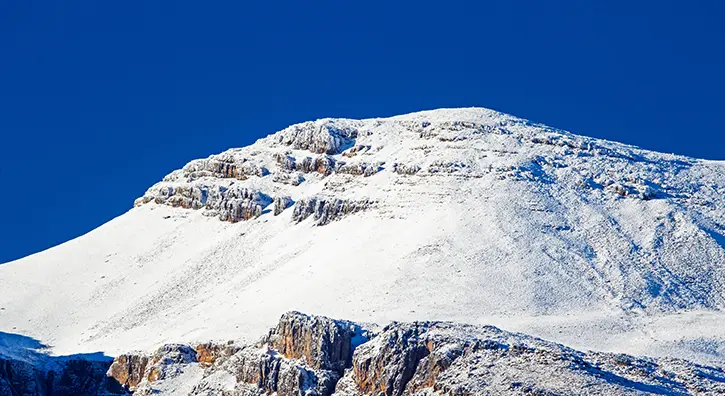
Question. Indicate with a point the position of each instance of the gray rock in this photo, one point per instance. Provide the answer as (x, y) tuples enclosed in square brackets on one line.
[(57, 377), (359, 169), (231, 203), (282, 203), (325, 210), (322, 342), (404, 169), (326, 137)]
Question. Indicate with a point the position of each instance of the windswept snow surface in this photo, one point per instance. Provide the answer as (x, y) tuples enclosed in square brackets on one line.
[(469, 215)]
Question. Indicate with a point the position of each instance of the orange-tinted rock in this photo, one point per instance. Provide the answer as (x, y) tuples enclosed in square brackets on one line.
[(129, 370), (323, 343), (208, 353)]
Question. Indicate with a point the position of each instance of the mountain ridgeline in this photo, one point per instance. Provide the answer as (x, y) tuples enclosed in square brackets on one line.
[(442, 216)]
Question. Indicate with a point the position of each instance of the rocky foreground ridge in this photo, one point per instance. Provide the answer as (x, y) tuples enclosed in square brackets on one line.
[(315, 355)]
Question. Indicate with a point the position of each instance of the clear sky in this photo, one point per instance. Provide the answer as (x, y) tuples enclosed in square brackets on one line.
[(100, 99)]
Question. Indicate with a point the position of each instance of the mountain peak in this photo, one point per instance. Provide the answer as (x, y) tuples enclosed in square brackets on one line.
[(467, 215)]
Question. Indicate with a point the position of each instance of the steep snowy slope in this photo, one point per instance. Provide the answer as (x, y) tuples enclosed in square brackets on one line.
[(465, 214)]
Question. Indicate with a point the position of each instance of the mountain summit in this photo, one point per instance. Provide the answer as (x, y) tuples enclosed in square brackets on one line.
[(454, 214)]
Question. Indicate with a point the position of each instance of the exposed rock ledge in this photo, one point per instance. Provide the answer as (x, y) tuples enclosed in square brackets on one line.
[(231, 203), (325, 210), (318, 356)]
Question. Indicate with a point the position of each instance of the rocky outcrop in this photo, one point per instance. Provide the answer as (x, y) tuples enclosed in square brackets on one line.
[(446, 167), (323, 165), (219, 166), (403, 169), (359, 169), (452, 359), (321, 137), (359, 149), (264, 371), (319, 356), (325, 210), (393, 363), (323, 343), (282, 203), (301, 355), (232, 203), (285, 161), (21, 378), (290, 178), (129, 369), (57, 377), (207, 354), (166, 360), (137, 371)]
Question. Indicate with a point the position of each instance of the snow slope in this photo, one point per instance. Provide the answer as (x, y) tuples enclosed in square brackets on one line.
[(466, 215)]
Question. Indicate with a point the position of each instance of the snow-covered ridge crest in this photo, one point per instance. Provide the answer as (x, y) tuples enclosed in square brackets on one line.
[(275, 166)]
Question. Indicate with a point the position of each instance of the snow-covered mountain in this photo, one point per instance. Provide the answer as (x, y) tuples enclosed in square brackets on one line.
[(467, 215)]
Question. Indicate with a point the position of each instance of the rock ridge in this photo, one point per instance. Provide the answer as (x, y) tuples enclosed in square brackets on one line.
[(319, 356)]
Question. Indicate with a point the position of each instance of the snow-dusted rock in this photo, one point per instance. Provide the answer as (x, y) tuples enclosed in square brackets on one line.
[(307, 355), (405, 169), (324, 210), (452, 359), (233, 203), (256, 371), (323, 164), (319, 356), (324, 343), (327, 136), (359, 168), (209, 353), (220, 166), (281, 203)]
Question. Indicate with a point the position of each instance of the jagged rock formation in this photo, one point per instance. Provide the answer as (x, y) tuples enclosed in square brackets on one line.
[(404, 169), (301, 354), (221, 166), (359, 169), (212, 184), (67, 377), (231, 203), (323, 343), (135, 371), (318, 356), (129, 369), (282, 203), (329, 138), (325, 210)]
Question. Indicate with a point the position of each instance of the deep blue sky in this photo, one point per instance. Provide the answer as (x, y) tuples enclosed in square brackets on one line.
[(100, 99)]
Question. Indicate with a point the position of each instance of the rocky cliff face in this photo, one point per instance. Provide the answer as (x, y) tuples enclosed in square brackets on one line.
[(66, 377), (220, 185), (318, 356)]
